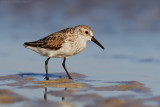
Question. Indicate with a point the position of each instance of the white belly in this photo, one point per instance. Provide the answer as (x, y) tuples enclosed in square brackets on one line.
[(65, 51)]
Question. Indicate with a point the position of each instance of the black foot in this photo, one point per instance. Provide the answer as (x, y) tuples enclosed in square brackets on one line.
[(69, 77), (46, 78)]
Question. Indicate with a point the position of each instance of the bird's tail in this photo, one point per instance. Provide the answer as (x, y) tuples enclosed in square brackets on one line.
[(34, 44)]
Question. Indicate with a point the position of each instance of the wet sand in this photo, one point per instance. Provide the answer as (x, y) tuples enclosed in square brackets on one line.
[(80, 92)]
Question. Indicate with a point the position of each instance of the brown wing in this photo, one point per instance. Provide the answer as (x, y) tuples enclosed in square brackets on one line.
[(53, 41)]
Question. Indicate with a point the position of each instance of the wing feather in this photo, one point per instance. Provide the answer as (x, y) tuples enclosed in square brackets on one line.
[(52, 41)]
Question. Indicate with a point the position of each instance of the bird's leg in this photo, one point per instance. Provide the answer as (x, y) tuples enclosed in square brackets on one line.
[(46, 63), (63, 64)]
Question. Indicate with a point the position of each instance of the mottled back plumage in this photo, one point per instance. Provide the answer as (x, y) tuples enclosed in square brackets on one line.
[(52, 41)]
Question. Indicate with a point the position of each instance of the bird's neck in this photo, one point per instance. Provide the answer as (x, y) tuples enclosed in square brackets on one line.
[(80, 44)]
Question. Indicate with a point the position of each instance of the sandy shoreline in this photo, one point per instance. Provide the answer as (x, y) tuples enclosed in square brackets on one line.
[(79, 92)]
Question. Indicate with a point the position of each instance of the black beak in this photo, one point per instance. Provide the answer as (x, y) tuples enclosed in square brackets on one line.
[(95, 41)]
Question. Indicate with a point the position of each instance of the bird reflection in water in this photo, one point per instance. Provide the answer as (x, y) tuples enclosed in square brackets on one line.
[(45, 94)]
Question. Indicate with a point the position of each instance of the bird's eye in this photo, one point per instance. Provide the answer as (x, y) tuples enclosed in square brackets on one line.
[(86, 32)]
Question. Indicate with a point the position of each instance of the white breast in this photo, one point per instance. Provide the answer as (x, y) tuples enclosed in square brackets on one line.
[(79, 45)]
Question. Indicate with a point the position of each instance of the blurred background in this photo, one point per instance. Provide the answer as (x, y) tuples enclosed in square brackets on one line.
[(105, 16), (128, 29)]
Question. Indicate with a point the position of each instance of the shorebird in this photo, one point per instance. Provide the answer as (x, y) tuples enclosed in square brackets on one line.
[(63, 44)]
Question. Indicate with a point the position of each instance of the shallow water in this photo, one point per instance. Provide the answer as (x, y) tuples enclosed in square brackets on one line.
[(126, 73), (28, 90)]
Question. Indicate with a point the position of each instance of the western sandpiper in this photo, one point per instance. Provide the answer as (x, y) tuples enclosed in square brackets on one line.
[(63, 44)]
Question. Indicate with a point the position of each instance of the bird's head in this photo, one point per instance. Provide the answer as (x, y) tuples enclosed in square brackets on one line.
[(87, 33)]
